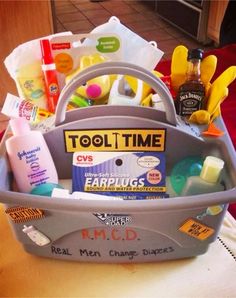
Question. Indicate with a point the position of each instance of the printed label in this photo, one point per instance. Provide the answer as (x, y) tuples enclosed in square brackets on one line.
[(53, 89), (129, 175), (64, 63), (22, 214), (108, 44), (113, 219), (115, 140), (196, 229), (190, 102), (36, 175), (61, 46)]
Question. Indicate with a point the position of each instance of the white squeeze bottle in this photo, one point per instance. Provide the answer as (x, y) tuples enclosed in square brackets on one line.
[(29, 157), (208, 181)]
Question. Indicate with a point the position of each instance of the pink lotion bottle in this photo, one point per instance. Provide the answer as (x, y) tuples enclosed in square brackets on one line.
[(29, 157)]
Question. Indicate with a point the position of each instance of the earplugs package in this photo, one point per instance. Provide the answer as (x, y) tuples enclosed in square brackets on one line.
[(130, 175)]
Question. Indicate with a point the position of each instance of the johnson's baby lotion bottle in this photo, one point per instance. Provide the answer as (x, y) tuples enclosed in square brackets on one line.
[(29, 157)]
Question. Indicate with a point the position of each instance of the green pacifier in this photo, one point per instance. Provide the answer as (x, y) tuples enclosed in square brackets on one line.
[(44, 189), (190, 166)]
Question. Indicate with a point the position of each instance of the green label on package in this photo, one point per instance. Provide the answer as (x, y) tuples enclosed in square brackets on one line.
[(108, 44)]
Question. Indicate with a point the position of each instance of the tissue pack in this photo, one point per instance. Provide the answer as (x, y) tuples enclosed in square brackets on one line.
[(129, 175)]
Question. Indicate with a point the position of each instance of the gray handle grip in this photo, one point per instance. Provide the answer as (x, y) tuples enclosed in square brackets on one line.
[(124, 68)]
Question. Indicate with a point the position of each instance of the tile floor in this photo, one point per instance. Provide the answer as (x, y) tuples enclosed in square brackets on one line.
[(81, 16)]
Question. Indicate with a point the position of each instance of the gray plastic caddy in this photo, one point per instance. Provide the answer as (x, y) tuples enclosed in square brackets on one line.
[(126, 230)]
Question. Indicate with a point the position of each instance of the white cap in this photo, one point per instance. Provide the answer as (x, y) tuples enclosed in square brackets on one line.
[(60, 193), (211, 169), (19, 126)]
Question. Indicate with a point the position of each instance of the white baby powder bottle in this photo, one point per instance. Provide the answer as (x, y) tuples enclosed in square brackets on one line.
[(29, 156)]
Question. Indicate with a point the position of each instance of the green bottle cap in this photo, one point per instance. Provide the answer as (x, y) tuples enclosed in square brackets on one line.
[(44, 189)]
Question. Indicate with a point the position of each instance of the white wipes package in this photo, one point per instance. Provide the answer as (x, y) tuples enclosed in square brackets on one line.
[(136, 50), (25, 67)]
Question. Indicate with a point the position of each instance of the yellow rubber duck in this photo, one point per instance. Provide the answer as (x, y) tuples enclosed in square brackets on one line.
[(96, 89)]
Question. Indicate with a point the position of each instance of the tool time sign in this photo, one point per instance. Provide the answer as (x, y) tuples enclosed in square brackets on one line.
[(115, 140)]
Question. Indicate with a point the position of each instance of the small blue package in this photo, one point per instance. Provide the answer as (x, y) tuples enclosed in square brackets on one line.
[(129, 175)]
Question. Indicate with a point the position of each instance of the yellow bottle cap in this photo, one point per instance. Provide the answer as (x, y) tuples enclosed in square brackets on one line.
[(211, 169)]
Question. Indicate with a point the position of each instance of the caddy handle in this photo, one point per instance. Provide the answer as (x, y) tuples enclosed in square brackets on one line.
[(124, 68)]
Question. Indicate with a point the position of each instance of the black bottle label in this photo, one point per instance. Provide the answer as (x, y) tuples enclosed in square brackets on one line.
[(189, 102)]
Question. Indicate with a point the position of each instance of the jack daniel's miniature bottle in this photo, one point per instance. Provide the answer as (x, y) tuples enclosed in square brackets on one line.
[(191, 94)]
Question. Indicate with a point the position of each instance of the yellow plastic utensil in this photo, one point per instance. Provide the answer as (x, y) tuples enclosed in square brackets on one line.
[(218, 90), (179, 67), (208, 68)]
